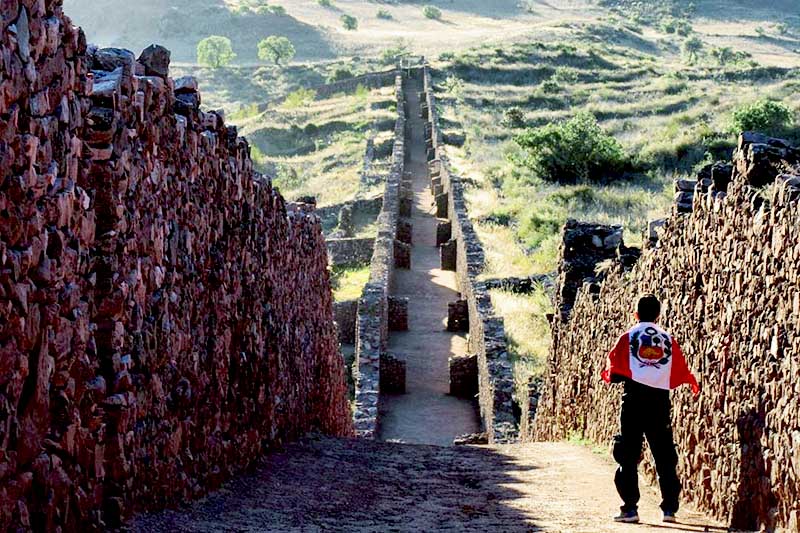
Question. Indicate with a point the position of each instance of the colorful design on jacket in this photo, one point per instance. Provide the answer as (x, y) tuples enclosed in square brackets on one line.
[(651, 347), (649, 355)]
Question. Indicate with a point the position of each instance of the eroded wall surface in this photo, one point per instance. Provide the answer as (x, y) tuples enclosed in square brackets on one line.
[(728, 276), (164, 316)]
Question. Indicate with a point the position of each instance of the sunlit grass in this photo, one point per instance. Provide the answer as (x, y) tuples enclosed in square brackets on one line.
[(527, 332), (348, 282)]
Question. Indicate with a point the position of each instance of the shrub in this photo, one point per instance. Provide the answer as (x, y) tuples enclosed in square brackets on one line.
[(384, 14), (763, 115), (325, 3), (349, 22), (339, 74), (278, 10), (514, 117), (550, 86), (215, 51), (299, 98), (276, 48), (311, 129), (566, 75), (571, 151), (389, 55), (692, 47), (432, 12)]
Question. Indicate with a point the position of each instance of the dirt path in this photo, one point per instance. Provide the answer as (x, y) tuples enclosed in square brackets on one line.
[(362, 486), (425, 414)]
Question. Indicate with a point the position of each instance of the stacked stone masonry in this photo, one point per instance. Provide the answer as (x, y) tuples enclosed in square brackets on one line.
[(463, 253), (727, 274), (164, 316), (373, 318)]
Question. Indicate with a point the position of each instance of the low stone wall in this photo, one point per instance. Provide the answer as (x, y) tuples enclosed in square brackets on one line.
[(372, 80), (345, 315), (487, 337), (350, 251), (164, 316), (372, 323), (727, 274)]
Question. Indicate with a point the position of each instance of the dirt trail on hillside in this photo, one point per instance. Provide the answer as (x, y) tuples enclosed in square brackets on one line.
[(425, 414), (363, 486)]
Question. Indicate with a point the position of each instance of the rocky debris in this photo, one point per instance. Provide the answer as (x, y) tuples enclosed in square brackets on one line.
[(164, 315), (474, 439), (155, 60), (584, 246), (728, 276)]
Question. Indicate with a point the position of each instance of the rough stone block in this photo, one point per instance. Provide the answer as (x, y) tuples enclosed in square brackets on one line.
[(405, 232), (458, 316), (402, 255), (449, 255), (444, 232), (393, 375), (345, 315), (398, 313), (442, 205), (464, 376)]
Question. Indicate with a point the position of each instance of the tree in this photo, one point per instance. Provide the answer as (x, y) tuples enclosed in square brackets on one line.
[(432, 12), (692, 47), (276, 48), (572, 151), (349, 22), (215, 51), (764, 116)]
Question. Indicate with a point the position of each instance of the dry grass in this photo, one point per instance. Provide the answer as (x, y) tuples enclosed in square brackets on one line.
[(348, 282)]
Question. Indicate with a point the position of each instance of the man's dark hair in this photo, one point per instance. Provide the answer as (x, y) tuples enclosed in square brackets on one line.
[(648, 308)]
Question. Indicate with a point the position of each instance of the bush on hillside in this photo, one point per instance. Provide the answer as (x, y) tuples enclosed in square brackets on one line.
[(572, 151), (325, 3), (215, 51), (764, 116), (339, 74), (692, 47), (276, 48), (349, 22), (514, 117), (432, 12), (384, 14)]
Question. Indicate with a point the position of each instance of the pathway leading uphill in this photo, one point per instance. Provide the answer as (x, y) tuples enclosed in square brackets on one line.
[(426, 414), (421, 483)]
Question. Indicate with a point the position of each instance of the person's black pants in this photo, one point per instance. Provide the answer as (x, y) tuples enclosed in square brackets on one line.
[(646, 413)]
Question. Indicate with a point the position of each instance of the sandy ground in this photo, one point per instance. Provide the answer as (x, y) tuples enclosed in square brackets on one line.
[(361, 486)]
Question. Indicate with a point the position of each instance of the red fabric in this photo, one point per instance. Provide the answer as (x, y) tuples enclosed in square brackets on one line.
[(681, 375), (619, 364), (619, 360)]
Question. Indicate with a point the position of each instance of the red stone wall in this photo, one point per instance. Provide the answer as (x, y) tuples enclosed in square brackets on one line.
[(729, 280), (163, 318)]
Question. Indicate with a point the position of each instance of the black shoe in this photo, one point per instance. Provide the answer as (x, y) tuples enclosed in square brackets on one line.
[(627, 517)]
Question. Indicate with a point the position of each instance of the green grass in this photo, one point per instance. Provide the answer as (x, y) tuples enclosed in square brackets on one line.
[(349, 281), (668, 116), (527, 332)]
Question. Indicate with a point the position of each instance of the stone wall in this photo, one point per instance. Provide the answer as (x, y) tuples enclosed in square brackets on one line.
[(372, 322), (372, 80), (350, 251), (164, 316), (486, 330), (727, 274)]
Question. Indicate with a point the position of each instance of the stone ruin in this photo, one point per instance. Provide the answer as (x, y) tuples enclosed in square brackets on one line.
[(725, 266), (165, 317), (486, 372)]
